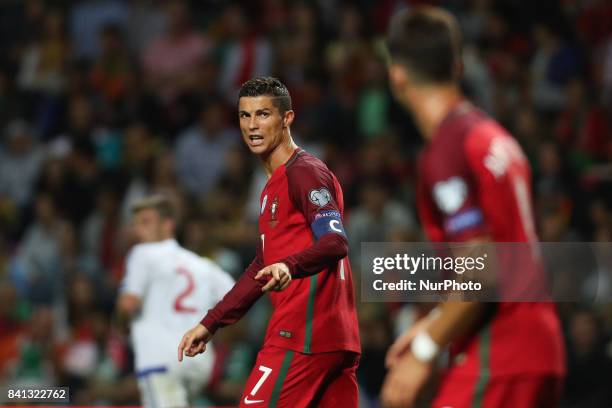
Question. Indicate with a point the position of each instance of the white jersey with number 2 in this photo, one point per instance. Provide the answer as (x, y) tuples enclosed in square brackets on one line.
[(176, 288)]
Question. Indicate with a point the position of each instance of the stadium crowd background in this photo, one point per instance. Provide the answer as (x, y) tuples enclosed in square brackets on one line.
[(102, 102)]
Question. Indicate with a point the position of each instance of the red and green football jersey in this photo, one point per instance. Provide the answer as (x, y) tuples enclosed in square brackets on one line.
[(300, 223), (474, 181)]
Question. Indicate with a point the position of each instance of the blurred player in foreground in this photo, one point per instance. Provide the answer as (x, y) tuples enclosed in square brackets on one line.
[(474, 186), (311, 349), (165, 290)]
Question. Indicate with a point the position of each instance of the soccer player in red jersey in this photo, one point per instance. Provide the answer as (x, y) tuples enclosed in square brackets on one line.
[(473, 186), (311, 348)]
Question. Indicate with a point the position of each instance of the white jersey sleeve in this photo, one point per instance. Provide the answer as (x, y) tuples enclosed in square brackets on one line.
[(221, 282), (136, 279)]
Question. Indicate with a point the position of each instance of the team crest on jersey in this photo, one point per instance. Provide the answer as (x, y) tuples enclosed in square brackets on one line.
[(284, 333), (450, 194), (320, 197), (274, 212), (263, 204)]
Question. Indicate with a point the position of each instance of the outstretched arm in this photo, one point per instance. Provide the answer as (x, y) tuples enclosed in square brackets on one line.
[(316, 193), (229, 310), (328, 250), (238, 300)]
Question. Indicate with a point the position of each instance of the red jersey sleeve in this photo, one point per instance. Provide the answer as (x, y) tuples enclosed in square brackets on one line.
[(317, 195), (484, 191), (238, 300), (502, 182), (425, 208), (451, 211)]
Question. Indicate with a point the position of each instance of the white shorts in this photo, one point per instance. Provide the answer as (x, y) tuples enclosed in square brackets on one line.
[(173, 386)]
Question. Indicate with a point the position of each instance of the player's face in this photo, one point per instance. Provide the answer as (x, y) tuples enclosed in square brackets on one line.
[(261, 123), (148, 225)]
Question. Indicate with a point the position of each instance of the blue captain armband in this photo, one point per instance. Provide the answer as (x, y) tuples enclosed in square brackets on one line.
[(326, 222)]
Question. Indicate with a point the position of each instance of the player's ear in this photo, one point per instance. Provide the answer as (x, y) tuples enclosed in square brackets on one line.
[(398, 76), (400, 82), (288, 118)]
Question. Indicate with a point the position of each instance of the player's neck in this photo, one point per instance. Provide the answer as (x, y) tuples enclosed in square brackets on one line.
[(279, 156), (431, 105)]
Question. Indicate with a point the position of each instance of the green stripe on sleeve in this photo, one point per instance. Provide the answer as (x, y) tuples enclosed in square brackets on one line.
[(485, 371), (310, 314), (278, 386)]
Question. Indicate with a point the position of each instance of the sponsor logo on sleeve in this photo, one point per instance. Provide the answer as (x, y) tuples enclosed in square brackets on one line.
[(327, 222), (450, 194), (320, 197), (464, 220), (328, 214)]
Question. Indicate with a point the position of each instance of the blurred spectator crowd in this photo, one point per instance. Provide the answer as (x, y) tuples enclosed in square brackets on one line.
[(103, 102)]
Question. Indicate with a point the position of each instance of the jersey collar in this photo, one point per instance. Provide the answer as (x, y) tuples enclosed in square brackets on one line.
[(460, 108), (169, 242), (281, 169)]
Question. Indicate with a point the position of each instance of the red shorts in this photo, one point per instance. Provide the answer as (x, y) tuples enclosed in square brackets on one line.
[(525, 391), (286, 378)]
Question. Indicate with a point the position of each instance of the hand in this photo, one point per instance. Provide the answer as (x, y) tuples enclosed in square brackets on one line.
[(404, 382), (402, 343), (194, 342), (280, 277)]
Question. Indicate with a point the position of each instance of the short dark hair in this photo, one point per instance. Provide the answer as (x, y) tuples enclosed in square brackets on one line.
[(268, 86), (161, 204), (427, 41)]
